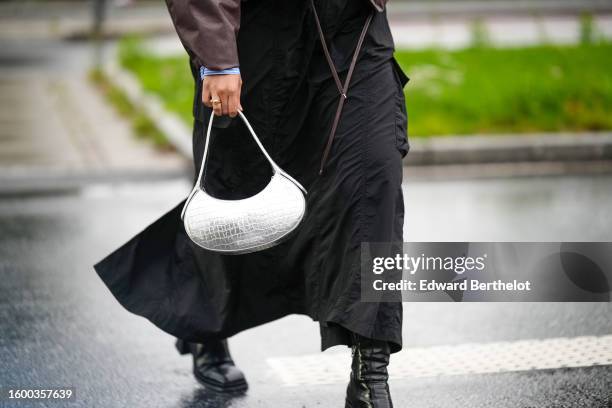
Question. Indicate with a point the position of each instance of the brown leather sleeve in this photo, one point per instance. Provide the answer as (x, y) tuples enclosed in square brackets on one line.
[(379, 5), (208, 30)]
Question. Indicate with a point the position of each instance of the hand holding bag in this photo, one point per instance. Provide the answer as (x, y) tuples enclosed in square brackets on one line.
[(247, 225), (268, 217)]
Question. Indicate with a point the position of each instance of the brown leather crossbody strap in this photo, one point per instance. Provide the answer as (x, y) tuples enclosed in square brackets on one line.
[(342, 89)]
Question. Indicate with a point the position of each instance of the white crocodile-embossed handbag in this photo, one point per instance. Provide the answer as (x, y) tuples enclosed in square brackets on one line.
[(247, 225)]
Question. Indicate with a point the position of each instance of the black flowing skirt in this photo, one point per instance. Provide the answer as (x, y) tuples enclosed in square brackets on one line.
[(290, 99)]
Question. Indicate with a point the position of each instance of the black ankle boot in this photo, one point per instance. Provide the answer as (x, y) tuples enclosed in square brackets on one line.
[(368, 386), (213, 366)]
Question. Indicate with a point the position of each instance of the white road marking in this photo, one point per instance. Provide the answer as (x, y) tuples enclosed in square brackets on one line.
[(460, 359)]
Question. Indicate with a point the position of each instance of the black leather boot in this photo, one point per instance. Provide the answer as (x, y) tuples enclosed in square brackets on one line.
[(213, 366), (368, 386)]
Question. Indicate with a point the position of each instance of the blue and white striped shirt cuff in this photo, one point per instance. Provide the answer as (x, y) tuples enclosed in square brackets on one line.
[(205, 71)]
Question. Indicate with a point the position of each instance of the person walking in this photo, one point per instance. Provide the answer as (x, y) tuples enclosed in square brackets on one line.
[(319, 84)]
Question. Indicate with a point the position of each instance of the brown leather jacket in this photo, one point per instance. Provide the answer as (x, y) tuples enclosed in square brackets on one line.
[(208, 29)]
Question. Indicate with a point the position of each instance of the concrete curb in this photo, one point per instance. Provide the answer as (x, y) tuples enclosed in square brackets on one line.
[(481, 8), (178, 134), (27, 180), (553, 147)]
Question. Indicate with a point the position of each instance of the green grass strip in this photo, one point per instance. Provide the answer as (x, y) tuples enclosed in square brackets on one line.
[(142, 125), (478, 90)]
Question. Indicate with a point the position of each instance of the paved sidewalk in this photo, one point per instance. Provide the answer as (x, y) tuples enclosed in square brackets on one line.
[(415, 24), (73, 19), (56, 130)]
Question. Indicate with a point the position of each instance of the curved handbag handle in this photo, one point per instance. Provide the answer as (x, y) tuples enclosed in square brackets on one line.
[(275, 167)]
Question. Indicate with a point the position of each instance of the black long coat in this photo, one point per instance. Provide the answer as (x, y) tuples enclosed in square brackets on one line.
[(290, 98)]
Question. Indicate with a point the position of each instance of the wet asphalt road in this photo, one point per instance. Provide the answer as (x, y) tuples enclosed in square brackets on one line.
[(59, 326)]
